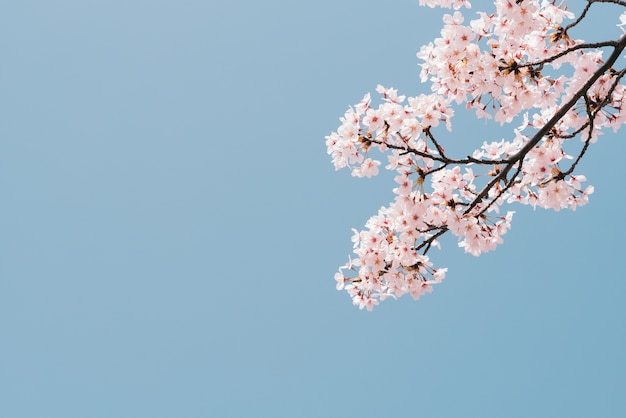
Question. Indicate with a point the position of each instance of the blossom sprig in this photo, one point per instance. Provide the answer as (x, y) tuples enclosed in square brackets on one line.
[(518, 62)]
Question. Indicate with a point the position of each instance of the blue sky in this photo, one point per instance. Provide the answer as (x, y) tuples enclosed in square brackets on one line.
[(171, 225)]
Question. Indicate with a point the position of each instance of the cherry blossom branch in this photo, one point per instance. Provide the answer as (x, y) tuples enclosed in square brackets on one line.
[(443, 159), (426, 244), (575, 133), (392, 251), (430, 136), (508, 184), (620, 2), (563, 53), (585, 147), (619, 47), (583, 14), (591, 118)]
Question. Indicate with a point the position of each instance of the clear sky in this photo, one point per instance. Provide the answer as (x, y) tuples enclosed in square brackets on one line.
[(170, 226)]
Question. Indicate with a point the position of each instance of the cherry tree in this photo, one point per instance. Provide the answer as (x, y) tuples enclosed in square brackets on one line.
[(517, 65)]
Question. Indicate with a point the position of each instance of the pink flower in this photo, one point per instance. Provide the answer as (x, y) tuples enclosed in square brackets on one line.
[(513, 64), (367, 169)]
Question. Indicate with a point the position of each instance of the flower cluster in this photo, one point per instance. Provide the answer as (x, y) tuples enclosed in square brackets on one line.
[(516, 64)]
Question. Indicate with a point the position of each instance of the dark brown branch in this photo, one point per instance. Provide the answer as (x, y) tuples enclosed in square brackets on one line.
[(582, 152), (407, 149), (591, 113), (580, 18), (445, 160), (507, 186), (575, 133), (434, 141), (586, 9), (429, 242), (560, 54), (620, 2)]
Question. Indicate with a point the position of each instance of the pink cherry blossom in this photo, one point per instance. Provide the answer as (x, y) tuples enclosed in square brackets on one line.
[(517, 63)]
